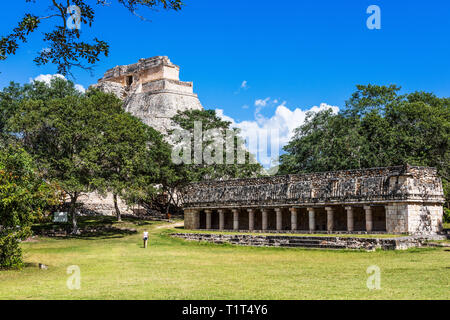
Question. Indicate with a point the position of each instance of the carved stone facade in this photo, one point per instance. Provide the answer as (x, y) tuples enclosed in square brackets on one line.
[(401, 199)]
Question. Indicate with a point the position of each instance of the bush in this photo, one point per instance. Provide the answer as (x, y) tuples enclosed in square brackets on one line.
[(24, 197), (10, 251), (446, 215)]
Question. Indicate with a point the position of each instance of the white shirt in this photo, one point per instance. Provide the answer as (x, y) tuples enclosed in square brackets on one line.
[(145, 234)]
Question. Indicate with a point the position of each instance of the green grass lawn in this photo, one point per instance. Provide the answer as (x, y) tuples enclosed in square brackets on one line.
[(115, 266)]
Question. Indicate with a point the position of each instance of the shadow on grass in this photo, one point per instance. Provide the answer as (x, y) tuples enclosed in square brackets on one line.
[(31, 265), (104, 233), (91, 228)]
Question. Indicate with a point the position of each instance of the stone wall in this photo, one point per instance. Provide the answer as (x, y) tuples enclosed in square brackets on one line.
[(144, 70), (396, 217), (319, 242), (168, 85), (102, 204), (414, 217), (426, 218)]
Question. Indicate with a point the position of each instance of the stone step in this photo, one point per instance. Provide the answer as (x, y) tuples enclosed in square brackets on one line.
[(312, 241), (305, 243), (314, 246), (295, 238), (308, 242), (293, 245)]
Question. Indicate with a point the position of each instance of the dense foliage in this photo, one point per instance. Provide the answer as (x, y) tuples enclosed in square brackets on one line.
[(24, 198), (159, 164), (64, 45), (156, 177), (82, 142), (212, 162), (184, 163), (378, 127), (135, 159)]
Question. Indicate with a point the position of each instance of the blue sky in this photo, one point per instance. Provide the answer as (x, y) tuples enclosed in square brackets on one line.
[(297, 53)]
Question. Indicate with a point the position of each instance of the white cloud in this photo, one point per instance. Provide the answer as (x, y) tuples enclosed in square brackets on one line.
[(45, 50), (48, 77), (262, 102), (80, 88), (280, 126), (243, 86)]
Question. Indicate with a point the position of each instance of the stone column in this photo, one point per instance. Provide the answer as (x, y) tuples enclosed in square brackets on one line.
[(264, 213), (293, 218), (221, 219), (369, 222), (196, 214), (279, 214), (330, 218), (208, 219), (350, 219), (251, 219), (235, 219), (188, 219), (312, 219)]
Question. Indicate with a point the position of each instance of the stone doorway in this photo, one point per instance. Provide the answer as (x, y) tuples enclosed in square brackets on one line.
[(129, 80)]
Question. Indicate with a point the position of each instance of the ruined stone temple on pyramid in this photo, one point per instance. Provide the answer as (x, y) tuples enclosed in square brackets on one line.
[(152, 91)]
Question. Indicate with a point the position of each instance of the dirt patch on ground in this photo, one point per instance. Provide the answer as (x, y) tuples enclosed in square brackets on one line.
[(32, 239), (171, 225)]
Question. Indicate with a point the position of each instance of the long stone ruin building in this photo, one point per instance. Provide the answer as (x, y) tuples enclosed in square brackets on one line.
[(401, 199)]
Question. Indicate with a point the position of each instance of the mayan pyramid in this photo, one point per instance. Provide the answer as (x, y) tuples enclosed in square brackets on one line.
[(151, 90)]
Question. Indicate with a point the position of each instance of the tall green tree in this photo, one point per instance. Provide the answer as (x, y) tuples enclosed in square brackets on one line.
[(325, 142), (10, 98), (64, 132), (204, 143), (24, 198), (13, 95), (134, 157), (377, 127), (63, 22), (86, 142), (159, 178), (155, 176)]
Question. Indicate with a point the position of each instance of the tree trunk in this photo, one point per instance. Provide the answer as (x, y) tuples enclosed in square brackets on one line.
[(73, 213), (166, 210), (116, 206)]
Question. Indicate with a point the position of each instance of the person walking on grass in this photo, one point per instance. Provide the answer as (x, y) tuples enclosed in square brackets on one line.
[(145, 238)]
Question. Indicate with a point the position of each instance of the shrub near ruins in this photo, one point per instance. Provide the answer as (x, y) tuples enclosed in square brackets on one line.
[(24, 197)]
